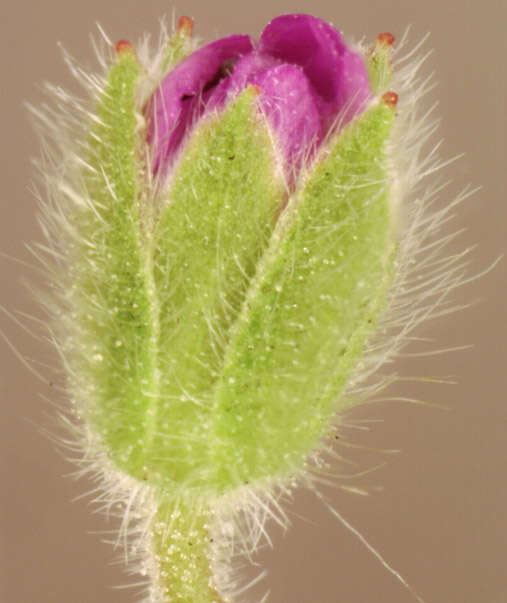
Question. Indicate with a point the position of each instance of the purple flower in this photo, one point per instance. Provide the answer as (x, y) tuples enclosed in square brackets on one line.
[(310, 82)]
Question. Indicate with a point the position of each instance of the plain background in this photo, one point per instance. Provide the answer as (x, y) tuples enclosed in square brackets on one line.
[(440, 516)]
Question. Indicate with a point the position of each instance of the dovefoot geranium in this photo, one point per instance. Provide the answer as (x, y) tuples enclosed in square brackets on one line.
[(225, 226)]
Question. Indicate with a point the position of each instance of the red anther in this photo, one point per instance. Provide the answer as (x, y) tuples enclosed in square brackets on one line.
[(123, 46), (185, 25), (390, 99), (386, 39)]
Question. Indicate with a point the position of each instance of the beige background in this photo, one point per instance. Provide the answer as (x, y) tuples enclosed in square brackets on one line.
[(441, 516)]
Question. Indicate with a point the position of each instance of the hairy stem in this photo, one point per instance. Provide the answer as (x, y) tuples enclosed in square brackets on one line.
[(181, 546)]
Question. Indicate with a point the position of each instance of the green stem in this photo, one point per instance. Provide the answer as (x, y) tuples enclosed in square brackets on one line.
[(181, 545)]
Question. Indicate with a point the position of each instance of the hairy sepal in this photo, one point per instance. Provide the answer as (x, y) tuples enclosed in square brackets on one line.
[(220, 210), (109, 326), (315, 299)]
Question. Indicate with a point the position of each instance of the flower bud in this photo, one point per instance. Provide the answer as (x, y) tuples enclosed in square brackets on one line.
[(224, 223)]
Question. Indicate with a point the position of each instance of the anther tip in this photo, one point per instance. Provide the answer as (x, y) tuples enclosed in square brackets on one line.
[(390, 98), (185, 25), (386, 38), (123, 46)]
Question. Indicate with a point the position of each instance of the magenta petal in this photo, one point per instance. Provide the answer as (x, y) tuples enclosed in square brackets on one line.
[(177, 101), (337, 74), (311, 82), (289, 104), (286, 98), (354, 90), (250, 64), (248, 67)]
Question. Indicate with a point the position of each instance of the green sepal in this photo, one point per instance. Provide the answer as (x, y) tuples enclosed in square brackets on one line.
[(110, 324), (315, 300)]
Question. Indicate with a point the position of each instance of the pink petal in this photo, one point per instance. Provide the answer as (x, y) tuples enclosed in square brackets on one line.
[(337, 74), (287, 99), (176, 103), (290, 107)]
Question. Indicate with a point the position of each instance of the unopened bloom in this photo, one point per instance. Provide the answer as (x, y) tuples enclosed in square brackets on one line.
[(309, 79), (211, 308)]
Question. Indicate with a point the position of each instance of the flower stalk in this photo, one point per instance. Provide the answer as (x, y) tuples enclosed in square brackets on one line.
[(182, 552)]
